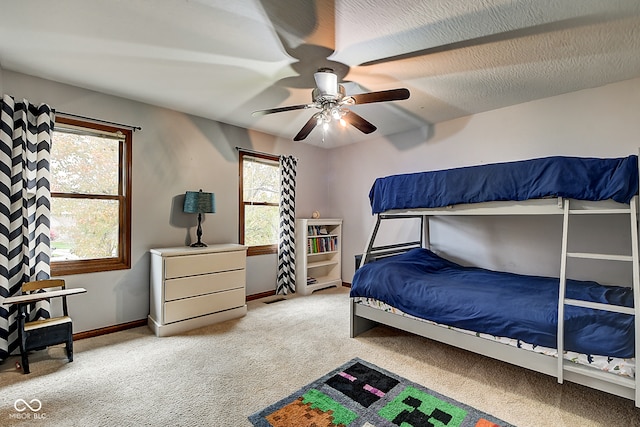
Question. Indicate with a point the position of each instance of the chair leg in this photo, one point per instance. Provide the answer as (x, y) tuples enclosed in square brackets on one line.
[(23, 340), (70, 350), (25, 361), (70, 344)]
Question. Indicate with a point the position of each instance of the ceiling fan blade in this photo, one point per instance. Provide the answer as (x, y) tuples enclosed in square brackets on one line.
[(381, 96), (281, 109), (307, 128), (358, 122)]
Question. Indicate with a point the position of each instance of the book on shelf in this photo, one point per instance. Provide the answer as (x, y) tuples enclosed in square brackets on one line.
[(317, 230), (317, 245)]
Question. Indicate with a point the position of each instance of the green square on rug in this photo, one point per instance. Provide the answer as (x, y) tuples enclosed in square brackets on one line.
[(360, 394)]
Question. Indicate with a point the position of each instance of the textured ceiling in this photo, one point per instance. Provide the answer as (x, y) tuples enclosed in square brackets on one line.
[(223, 59)]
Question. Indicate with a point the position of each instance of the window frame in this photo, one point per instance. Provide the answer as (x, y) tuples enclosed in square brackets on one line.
[(123, 260), (261, 249)]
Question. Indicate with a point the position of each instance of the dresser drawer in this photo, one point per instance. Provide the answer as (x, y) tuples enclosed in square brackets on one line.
[(185, 287), (190, 265), (198, 306)]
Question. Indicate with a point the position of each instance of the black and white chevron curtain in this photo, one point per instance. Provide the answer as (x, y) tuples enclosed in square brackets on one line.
[(287, 240), (25, 149)]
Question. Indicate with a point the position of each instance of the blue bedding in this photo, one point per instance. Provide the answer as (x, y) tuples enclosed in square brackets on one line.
[(425, 285), (571, 177)]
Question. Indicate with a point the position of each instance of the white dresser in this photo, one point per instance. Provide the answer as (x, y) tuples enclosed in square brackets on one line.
[(194, 287)]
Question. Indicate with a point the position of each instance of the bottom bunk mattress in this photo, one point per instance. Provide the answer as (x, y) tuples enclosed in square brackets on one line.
[(525, 308), (613, 365)]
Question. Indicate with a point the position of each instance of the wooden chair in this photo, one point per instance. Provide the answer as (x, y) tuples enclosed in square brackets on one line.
[(40, 334)]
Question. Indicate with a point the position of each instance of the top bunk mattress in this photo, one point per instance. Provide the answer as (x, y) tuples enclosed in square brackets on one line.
[(569, 177)]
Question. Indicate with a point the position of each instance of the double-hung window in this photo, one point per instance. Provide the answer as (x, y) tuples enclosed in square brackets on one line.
[(90, 197), (259, 202)]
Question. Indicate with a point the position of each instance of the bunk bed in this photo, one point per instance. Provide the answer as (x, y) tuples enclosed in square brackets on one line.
[(523, 320)]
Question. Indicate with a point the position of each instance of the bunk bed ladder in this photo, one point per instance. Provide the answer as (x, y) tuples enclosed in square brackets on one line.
[(563, 301)]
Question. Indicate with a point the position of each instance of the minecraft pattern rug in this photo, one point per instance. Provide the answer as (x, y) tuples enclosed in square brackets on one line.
[(360, 394)]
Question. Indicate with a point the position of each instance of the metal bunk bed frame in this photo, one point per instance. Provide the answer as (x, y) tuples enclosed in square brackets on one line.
[(364, 318)]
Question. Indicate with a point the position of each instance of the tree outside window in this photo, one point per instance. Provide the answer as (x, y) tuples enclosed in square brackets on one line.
[(90, 191), (259, 202)]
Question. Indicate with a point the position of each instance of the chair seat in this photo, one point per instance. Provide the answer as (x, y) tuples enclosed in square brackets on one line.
[(44, 323)]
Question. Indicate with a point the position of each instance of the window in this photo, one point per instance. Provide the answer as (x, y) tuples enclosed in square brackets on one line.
[(90, 197), (259, 202)]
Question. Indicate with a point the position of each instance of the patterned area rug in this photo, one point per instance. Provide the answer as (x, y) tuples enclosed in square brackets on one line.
[(359, 394)]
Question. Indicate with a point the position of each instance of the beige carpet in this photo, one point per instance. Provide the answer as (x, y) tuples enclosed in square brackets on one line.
[(218, 375)]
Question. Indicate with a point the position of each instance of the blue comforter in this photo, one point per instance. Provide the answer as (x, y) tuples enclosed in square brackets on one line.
[(502, 304), (571, 177)]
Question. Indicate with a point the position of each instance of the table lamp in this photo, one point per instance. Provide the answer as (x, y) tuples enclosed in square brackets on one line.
[(199, 202)]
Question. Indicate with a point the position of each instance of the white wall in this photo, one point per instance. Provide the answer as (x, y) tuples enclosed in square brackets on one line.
[(173, 153), (599, 122)]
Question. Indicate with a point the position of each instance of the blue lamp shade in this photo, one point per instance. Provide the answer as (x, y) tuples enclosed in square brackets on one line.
[(199, 202)]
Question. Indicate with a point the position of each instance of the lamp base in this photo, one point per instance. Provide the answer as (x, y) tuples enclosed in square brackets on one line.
[(199, 243)]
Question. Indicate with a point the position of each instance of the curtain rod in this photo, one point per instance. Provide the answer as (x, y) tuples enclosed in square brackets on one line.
[(76, 116), (257, 152)]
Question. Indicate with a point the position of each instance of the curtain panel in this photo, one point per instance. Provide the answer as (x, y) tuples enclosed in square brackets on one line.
[(286, 281), (25, 201)]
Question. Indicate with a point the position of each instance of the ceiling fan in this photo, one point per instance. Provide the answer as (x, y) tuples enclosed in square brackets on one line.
[(333, 102)]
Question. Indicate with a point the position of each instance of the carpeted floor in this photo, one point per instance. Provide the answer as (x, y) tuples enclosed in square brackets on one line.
[(220, 374)]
